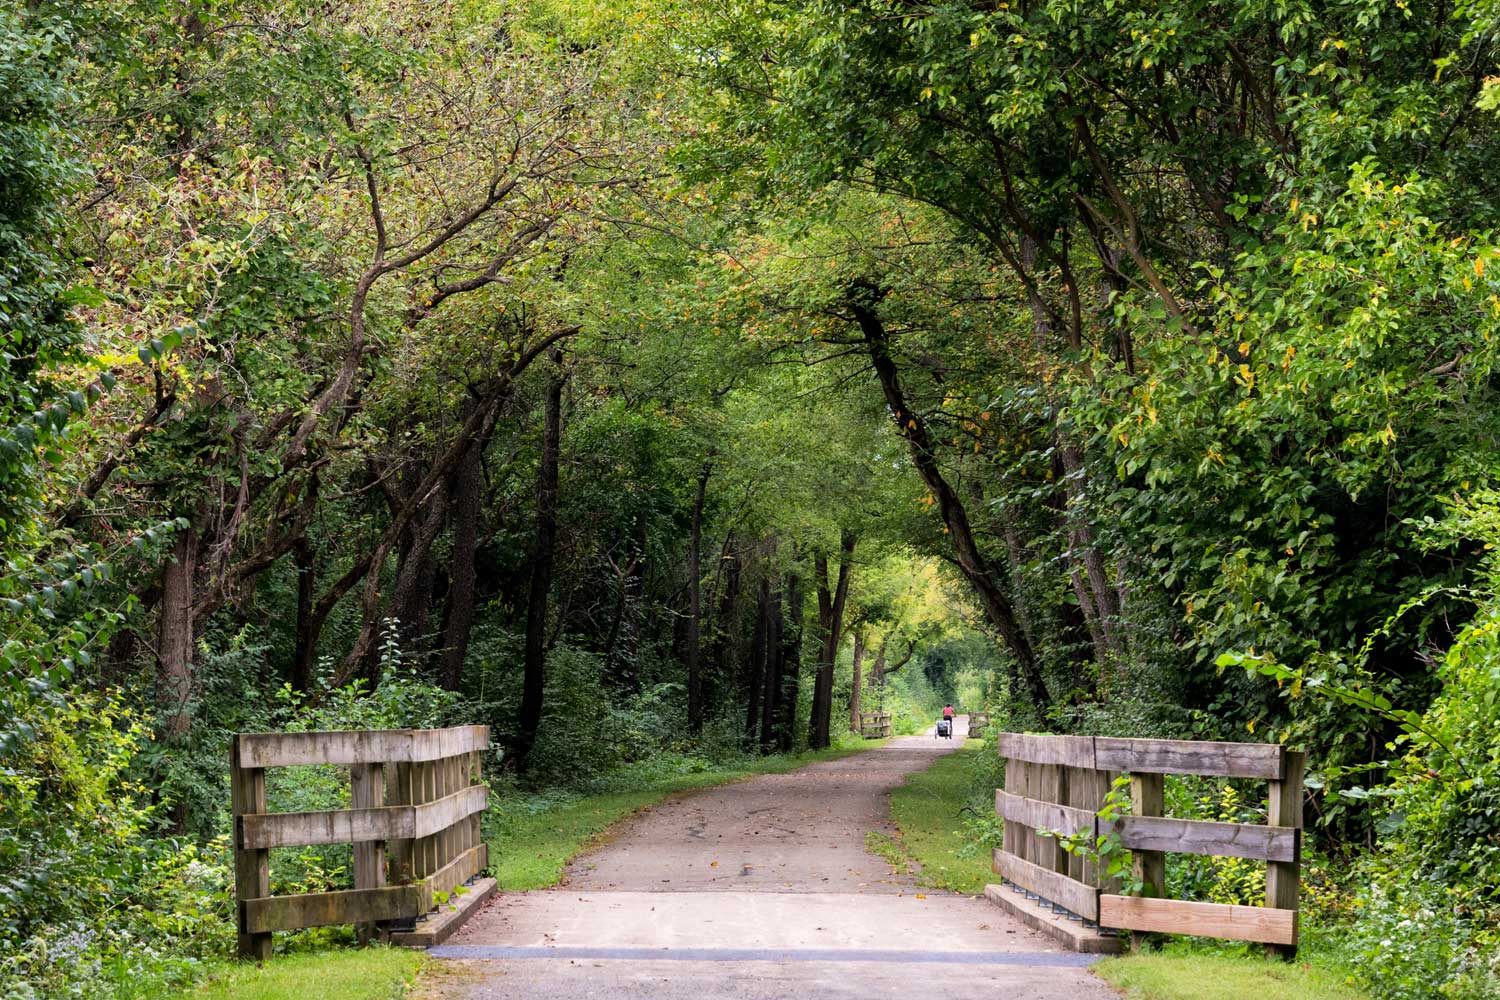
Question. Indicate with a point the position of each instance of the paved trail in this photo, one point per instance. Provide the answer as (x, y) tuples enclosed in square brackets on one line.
[(761, 889)]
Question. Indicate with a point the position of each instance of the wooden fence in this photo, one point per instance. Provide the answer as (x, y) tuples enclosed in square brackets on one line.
[(874, 725), (415, 805), (1059, 783)]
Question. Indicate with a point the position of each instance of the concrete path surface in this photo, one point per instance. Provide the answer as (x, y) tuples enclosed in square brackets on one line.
[(760, 889)]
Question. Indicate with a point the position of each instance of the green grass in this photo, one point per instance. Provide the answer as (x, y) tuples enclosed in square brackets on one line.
[(1186, 975), (925, 810), (348, 974), (536, 841)]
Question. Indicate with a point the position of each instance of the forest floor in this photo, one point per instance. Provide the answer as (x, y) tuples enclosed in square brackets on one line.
[(762, 888)]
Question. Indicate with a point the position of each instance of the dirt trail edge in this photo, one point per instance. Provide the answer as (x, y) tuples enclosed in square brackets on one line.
[(760, 889)]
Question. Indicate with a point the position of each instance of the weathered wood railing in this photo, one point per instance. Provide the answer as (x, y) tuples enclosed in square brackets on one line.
[(1059, 783), (416, 800), (874, 725)]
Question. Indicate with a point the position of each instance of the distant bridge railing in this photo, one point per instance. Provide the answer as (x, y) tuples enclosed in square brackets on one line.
[(1059, 783), (416, 799), (874, 725)]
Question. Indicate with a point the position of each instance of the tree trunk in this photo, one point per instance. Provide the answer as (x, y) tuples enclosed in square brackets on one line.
[(411, 597), (756, 666), (770, 706), (790, 663), (1086, 553), (727, 638), (174, 672), (305, 644), (830, 625), (626, 669), (694, 638), (1015, 554), (465, 514), (542, 558), (855, 690), (971, 561)]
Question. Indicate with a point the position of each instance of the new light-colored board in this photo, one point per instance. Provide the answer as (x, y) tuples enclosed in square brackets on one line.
[(1074, 751), (1222, 840), (1050, 885), (1220, 920), (374, 746), (1227, 760)]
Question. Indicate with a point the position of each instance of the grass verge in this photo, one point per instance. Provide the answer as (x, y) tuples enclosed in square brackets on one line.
[(1181, 973), (348, 974), (534, 837), (927, 812)]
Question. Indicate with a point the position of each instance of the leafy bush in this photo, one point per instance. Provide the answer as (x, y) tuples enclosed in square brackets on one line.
[(1214, 879), (90, 906), (1407, 942)]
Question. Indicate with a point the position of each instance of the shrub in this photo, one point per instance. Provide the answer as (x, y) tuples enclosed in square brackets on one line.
[(90, 905)]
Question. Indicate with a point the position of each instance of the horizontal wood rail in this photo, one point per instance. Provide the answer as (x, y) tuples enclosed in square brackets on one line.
[(1056, 785), (355, 826), (416, 798), (874, 725), (1265, 924), (385, 746)]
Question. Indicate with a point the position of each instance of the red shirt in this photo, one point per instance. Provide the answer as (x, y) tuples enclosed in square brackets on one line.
[(948, 712)]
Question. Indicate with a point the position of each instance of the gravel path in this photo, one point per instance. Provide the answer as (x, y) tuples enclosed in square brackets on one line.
[(759, 889)]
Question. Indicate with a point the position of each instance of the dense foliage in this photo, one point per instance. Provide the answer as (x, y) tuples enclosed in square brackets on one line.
[(662, 384)]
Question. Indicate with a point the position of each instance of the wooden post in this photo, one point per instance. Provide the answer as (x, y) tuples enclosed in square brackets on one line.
[(1147, 798), (399, 792), (428, 863), (1086, 790), (252, 868), (475, 775), (1014, 836), (367, 791), (1283, 877), (1050, 786), (447, 785)]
